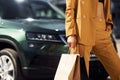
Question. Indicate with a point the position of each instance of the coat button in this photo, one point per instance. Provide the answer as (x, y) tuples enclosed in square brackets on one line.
[(100, 19), (83, 2), (84, 16)]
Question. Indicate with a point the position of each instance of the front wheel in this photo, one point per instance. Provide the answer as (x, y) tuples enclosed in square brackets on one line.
[(8, 65)]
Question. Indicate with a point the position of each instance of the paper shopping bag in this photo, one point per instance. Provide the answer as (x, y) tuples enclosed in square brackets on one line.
[(68, 67)]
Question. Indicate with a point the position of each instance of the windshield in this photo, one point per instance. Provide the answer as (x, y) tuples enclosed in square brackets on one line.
[(46, 10), (33, 9)]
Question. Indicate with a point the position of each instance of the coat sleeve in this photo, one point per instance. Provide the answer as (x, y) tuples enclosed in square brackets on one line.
[(108, 12), (70, 23)]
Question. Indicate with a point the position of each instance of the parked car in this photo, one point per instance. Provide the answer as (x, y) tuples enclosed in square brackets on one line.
[(32, 40), (30, 44)]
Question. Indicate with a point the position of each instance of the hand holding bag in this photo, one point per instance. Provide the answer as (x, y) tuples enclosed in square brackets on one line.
[(68, 67)]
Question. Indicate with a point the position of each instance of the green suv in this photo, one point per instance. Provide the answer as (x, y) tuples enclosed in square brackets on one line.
[(32, 39)]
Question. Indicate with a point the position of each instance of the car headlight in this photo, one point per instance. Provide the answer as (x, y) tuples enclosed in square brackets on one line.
[(42, 37)]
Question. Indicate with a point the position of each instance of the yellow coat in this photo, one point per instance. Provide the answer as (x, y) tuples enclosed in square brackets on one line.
[(80, 19)]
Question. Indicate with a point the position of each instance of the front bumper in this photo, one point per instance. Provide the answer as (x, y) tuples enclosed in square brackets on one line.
[(46, 69), (43, 58)]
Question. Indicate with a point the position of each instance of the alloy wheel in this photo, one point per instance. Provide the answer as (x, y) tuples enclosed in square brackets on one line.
[(7, 69)]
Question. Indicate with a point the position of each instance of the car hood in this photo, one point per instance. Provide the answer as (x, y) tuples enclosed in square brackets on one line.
[(54, 25)]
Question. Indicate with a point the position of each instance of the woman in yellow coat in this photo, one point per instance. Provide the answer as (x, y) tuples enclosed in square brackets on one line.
[(88, 28)]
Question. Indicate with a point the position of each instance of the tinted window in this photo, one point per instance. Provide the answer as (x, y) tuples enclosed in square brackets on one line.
[(1, 11), (11, 9), (46, 10)]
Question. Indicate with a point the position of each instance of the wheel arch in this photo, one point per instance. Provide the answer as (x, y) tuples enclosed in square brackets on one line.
[(12, 44)]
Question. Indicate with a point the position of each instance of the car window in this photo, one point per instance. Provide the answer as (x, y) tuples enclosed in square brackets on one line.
[(44, 10), (1, 12), (10, 9), (25, 11)]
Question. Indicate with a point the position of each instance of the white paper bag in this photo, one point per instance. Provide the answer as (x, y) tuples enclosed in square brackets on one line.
[(68, 67)]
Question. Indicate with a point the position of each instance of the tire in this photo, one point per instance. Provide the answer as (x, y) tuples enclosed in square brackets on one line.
[(9, 69)]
